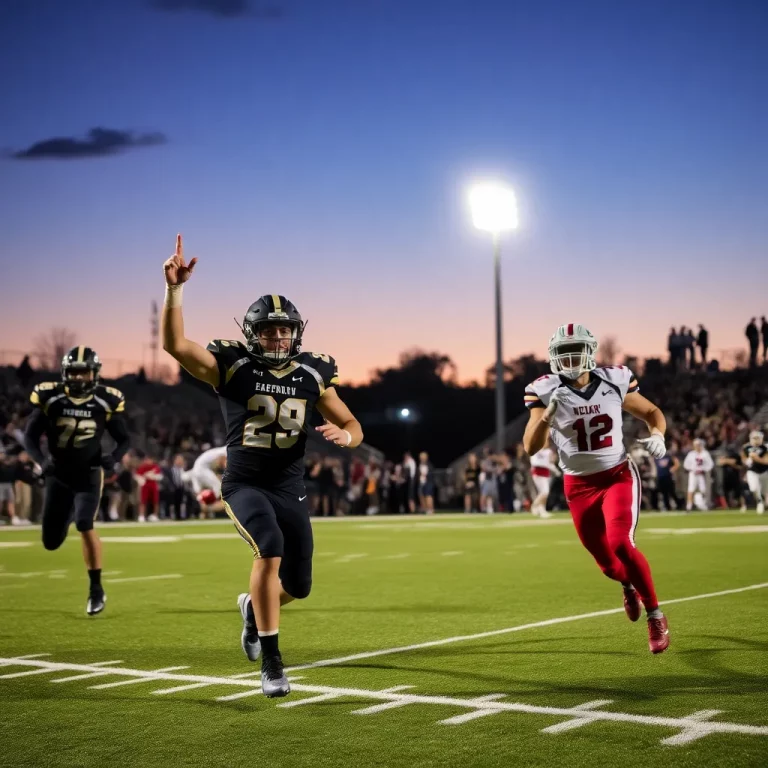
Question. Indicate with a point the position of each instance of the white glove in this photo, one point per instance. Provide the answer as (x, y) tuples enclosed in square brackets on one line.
[(655, 445), (554, 401)]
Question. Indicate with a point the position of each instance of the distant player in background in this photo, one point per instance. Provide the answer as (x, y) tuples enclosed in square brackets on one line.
[(542, 468), (755, 457), (580, 408), (698, 464), (74, 414), (148, 476), (205, 479), (471, 484)]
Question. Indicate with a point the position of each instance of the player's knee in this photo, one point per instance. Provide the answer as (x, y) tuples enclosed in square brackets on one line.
[(84, 525), (298, 588), (52, 541)]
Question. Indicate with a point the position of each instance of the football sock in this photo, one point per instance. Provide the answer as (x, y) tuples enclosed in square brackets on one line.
[(94, 574), (269, 645), (655, 613)]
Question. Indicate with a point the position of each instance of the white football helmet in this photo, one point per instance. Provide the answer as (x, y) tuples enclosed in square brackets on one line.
[(756, 437), (572, 351)]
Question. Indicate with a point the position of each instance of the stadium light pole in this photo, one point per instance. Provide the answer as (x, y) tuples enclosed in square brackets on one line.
[(494, 210)]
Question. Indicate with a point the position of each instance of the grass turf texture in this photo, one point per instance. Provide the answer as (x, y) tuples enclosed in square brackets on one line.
[(378, 584)]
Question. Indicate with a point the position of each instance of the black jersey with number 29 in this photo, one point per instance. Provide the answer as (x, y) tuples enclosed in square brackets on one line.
[(267, 411)]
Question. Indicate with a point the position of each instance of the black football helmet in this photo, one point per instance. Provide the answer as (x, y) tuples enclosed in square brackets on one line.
[(77, 360), (272, 309)]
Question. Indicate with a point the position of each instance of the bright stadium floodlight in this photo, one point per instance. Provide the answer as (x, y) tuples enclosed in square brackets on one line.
[(494, 210), (494, 207), (405, 413)]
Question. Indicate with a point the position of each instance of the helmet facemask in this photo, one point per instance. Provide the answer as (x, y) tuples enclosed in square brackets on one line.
[(79, 386), (572, 358), (273, 342)]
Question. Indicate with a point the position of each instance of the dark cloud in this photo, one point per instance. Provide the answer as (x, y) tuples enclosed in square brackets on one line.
[(100, 142), (220, 8)]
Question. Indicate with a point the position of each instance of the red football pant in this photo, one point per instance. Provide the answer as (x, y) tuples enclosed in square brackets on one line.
[(605, 508)]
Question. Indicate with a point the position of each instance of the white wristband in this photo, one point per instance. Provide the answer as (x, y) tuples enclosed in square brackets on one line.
[(349, 438), (173, 295)]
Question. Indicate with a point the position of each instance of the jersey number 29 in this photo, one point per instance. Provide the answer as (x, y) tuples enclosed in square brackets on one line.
[(290, 416)]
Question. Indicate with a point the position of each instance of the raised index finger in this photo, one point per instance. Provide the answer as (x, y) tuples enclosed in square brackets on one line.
[(179, 247)]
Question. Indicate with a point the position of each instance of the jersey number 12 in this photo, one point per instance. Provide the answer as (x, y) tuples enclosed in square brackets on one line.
[(597, 437)]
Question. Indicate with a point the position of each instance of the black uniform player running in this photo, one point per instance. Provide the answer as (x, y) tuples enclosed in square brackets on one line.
[(268, 389), (73, 414)]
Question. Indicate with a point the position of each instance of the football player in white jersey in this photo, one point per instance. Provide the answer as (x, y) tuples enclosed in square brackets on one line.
[(755, 457), (205, 477), (542, 468), (580, 409), (698, 464)]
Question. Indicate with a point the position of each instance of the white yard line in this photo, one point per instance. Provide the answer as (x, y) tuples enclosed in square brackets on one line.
[(690, 728), (144, 578), (508, 630)]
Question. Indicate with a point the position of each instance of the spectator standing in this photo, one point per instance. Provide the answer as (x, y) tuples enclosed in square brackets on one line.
[(702, 341), (753, 337), (764, 331)]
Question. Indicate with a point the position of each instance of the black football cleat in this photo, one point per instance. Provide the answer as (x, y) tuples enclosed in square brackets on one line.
[(274, 683), (249, 639), (96, 601)]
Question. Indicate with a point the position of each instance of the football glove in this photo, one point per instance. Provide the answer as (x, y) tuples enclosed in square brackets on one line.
[(557, 396), (655, 445)]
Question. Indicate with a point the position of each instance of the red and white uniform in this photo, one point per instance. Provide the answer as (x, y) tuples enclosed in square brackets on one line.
[(698, 464), (202, 475), (587, 427), (601, 485), (149, 476), (541, 470)]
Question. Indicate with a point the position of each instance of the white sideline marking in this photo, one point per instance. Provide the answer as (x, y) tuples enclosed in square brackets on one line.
[(14, 544), (451, 554), (350, 558), (134, 681), (145, 578), (398, 556), (687, 735), (509, 630), (254, 692), (577, 722), (87, 675), (140, 539), (383, 707), (177, 689), (467, 716), (695, 723), (721, 529)]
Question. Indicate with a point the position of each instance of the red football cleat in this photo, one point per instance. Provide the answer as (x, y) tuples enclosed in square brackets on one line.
[(658, 635), (632, 604)]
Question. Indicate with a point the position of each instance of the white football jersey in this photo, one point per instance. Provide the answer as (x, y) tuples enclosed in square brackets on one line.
[(587, 426), (542, 459), (698, 462), (206, 460)]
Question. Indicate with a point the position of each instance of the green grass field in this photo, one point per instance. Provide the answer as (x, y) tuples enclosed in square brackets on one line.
[(582, 691)]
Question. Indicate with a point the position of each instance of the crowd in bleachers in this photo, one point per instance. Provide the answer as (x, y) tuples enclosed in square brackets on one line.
[(719, 407)]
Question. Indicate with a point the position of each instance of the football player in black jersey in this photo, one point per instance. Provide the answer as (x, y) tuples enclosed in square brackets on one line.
[(73, 414), (268, 389), (754, 456)]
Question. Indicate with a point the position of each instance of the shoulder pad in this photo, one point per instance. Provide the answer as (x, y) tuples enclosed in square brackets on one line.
[(537, 392), (113, 397), (224, 346), (43, 392), (325, 365), (620, 376)]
